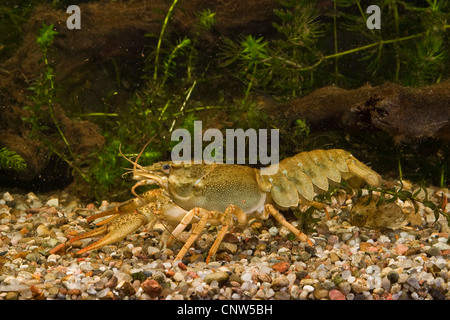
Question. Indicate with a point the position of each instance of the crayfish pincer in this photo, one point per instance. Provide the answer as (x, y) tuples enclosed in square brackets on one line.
[(222, 194)]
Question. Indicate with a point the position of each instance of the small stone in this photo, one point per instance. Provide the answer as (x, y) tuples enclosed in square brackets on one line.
[(401, 249), (112, 283), (433, 251), (264, 277), (282, 295), (273, 231), (334, 257), (402, 278), (228, 247), (378, 291), (336, 295), (42, 230), (359, 286), (178, 277), (279, 283), (126, 289), (12, 295), (33, 257), (72, 292), (151, 287), (308, 288), (218, 276), (103, 294), (321, 294), (412, 281), (152, 250), (53, 202), (441, 246), (281, 267), (393, 276)]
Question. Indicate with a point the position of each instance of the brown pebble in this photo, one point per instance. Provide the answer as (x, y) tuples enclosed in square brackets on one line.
[(336, 295), (231, 238), (321, 294), (279, 283), (112, 283), (170, 273), (12, 295), (151, 287), (76, 244), (235, 284), (281, 267), (182, 266), (127, 289), (334, 257), (75, 292), (109, 296), (37, 293), (264, 277), (223, 256)]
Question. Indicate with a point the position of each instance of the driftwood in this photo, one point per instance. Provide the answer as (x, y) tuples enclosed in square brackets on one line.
[(405, 113)]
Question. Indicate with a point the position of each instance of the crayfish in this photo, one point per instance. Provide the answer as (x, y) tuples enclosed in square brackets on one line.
[(220, 194)]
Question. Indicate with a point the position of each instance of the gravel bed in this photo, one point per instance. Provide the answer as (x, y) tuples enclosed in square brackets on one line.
[(258, 261)]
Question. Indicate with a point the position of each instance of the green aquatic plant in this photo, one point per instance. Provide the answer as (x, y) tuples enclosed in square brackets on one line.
[(44, 101), (251, 59), (409, 48), (162, 105), (44, 87), (161, 37), (9, 159)]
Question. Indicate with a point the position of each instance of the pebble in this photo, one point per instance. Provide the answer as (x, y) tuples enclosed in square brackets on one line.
[(279, 282), (345, 262), (218, 276), (336, 295), (281, 267)]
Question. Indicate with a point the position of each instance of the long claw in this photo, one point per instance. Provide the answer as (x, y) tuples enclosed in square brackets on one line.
[(119, 228), (105, 213)]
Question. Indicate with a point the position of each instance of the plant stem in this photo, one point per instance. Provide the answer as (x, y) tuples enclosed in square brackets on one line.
[(163, 29), (336, 69), (343, 53), (50, 105)]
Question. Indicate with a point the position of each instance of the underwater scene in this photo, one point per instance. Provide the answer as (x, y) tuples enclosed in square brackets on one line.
[(238, 151)]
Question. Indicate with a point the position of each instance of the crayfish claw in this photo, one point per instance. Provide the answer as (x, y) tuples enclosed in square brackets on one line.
[(117, 230)]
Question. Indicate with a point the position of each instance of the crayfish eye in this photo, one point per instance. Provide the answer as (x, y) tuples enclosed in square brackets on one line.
[(166, 168)]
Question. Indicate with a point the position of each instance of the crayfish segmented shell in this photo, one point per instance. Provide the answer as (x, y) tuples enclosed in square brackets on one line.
[(308, 173)]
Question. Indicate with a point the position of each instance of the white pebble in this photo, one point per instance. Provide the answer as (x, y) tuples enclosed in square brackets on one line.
[(7, 196), (235, 296), (308, 288), (273, 231), (351, 279), (53, 202), (346, 274), (178, 277), (199, 288), (246, 277)]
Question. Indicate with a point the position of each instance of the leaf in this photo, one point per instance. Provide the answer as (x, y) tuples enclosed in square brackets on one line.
[(9, 159), (429, 204)]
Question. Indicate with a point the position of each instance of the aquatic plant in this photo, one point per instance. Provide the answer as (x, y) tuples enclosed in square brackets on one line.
[(298, 59), (155, 110), (44, 99), (9, 159)]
